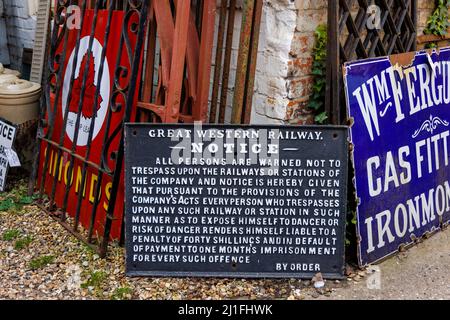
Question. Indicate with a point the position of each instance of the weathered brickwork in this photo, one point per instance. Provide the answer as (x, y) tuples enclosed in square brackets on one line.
[(283, 80), (282, 94)]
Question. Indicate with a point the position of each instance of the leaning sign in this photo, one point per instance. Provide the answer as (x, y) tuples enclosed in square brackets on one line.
[(7, 155), (235, 201), (86, 120), (400, 113)]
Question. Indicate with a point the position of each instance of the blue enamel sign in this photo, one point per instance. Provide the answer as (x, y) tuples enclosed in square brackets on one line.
[(399, 107)]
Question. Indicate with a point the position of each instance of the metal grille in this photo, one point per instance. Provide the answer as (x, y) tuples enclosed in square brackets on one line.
[(167, 44), (53, 149), (359, 29), (177, 86), (181, 34)]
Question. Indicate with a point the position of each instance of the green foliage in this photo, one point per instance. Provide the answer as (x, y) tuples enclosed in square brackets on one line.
[(26, 200), (95, 279), (95, 283), (123, 293), (321, 117), (319, 67), (16, 199), (7, 204), (10, 235), (438, 23), (39, 263), (23, 243)]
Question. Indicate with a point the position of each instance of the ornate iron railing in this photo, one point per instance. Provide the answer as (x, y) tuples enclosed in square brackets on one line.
[(57, 155), (129, 61)]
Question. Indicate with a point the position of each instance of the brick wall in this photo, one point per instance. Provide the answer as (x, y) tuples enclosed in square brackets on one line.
[(284, 79), (426, 8), (20, 18), (311, 14), (274, 77), (277, 31)]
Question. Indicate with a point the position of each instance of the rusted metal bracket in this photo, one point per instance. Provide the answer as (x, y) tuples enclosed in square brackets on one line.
[(185, 40), (183, 82), (247, 56)]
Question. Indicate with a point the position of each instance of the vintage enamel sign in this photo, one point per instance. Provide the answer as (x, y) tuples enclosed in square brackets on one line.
[(78, 109), (235, 201), (400, 113)]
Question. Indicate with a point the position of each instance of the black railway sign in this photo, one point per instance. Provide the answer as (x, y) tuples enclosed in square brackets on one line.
[(235, 201)]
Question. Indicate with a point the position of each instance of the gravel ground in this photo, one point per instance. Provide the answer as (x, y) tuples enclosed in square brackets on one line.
[(73, 271), (40, 260)]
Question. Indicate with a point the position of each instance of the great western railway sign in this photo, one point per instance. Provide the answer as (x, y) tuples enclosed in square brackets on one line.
[(232, 201), (400, 110)]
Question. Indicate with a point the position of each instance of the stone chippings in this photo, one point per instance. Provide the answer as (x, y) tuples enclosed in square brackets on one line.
[(57, 281)]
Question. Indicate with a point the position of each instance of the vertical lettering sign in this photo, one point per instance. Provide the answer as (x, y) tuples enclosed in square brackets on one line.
[(104, 135), (235, 201), (400, 114), (7, 136)]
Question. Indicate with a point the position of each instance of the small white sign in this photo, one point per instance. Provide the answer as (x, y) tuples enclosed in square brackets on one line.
[(7, 136), (13, 158)]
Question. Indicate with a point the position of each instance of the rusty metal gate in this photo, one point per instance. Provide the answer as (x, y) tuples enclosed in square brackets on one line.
[(178, 62), (54, 152), (156, 59), (359, 29), (180, 40)]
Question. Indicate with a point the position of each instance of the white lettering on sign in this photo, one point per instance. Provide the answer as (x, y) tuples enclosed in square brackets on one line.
[(400, 128), (230, 200), (406, 217), (13, 158), (377, 95), (7, 136)]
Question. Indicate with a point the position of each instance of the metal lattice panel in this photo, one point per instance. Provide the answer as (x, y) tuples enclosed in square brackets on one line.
[(360, 29)]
